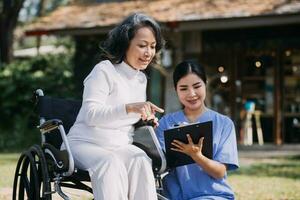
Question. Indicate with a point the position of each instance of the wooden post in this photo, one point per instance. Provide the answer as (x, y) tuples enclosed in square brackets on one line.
[(278, 101)]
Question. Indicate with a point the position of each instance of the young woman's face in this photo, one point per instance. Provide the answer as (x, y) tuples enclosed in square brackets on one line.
[(191, 91), (141, 49)]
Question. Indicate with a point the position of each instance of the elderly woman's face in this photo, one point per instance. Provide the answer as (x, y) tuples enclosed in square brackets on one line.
[(141, 49)]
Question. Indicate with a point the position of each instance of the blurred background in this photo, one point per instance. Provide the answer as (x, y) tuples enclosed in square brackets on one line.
[(250, 49)]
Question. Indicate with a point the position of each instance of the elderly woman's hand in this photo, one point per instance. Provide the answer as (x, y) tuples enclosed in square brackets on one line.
[(146, 109)]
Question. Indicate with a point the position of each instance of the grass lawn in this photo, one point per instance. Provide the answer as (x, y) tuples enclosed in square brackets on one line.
[(7, 169), (8, 164), (267, 179), (257, 179)]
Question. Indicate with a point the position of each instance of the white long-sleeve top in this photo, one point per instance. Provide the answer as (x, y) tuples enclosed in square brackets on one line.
[(102, 118)]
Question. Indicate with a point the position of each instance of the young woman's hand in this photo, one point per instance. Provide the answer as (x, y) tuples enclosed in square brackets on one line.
[(190, 148), (146, 109), (212, 167)]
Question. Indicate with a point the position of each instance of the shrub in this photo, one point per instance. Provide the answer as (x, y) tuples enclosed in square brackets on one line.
[(18, 81)]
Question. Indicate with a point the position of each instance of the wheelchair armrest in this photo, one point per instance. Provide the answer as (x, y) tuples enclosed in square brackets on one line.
[(52, 124), (145, 138), (67, 147), (49, 125), (59, 157)]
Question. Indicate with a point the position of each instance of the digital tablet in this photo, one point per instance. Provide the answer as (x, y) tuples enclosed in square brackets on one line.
[(196, 131)]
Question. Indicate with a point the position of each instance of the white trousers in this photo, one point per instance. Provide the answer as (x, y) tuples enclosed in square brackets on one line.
[(124, 173)]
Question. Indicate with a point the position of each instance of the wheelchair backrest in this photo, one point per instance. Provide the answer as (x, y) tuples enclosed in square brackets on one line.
[(65, 110)]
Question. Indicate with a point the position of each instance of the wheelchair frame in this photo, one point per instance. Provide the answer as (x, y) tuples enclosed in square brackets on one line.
[(41, 165)]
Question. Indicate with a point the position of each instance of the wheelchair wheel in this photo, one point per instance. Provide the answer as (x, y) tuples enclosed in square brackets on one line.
[(18, 175), (31, 177), (26, 178), (44, 182)]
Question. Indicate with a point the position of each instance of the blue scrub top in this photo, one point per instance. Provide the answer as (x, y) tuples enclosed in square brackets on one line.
[(190, 182)]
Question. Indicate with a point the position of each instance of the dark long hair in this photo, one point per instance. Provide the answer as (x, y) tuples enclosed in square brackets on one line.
[(186, 67), (115, 46)]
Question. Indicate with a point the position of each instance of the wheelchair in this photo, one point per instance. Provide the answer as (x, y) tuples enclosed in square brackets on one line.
[(44, 169)]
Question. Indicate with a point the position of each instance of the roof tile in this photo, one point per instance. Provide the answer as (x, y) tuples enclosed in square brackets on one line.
[(107, 14)]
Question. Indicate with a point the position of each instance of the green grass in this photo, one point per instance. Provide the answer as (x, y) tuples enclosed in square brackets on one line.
[(257, 179), (7, 169), (8, 162), (269, 179)]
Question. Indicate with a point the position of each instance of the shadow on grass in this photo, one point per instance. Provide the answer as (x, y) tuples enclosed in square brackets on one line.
[(283, 167)]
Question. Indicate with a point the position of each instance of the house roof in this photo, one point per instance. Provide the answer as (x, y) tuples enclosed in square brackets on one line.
[(101, 15)]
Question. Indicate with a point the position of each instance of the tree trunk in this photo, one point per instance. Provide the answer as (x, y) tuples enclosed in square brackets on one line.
[(6, 38), (8, 21)]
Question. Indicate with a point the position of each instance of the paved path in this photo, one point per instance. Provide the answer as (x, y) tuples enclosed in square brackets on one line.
[(249, 155), (268, 150)]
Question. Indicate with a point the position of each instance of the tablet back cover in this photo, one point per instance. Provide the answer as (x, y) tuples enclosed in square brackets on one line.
[(196, 131)]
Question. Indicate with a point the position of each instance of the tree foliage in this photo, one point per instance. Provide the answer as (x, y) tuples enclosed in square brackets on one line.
[(9, 18), (18, 81)]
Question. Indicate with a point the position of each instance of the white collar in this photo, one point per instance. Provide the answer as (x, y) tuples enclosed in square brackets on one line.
[(127, 70)]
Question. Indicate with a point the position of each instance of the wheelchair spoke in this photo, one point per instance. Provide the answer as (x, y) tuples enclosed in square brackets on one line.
[(26, 184)]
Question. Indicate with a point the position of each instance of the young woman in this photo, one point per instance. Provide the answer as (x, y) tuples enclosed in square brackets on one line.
[(114, 99), (206, 178)]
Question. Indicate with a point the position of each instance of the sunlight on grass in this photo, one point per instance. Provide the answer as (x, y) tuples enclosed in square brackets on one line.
[(271, 179), (248, 187), (7, 169), (273, 167)]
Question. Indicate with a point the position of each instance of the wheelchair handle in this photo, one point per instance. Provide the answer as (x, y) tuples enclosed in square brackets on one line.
[(150, 123)]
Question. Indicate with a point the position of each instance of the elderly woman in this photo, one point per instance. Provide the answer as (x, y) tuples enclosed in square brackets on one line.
[(114, 99)]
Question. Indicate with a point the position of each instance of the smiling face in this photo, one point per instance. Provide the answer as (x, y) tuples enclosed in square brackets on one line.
[(191, 91), (141, 49)]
